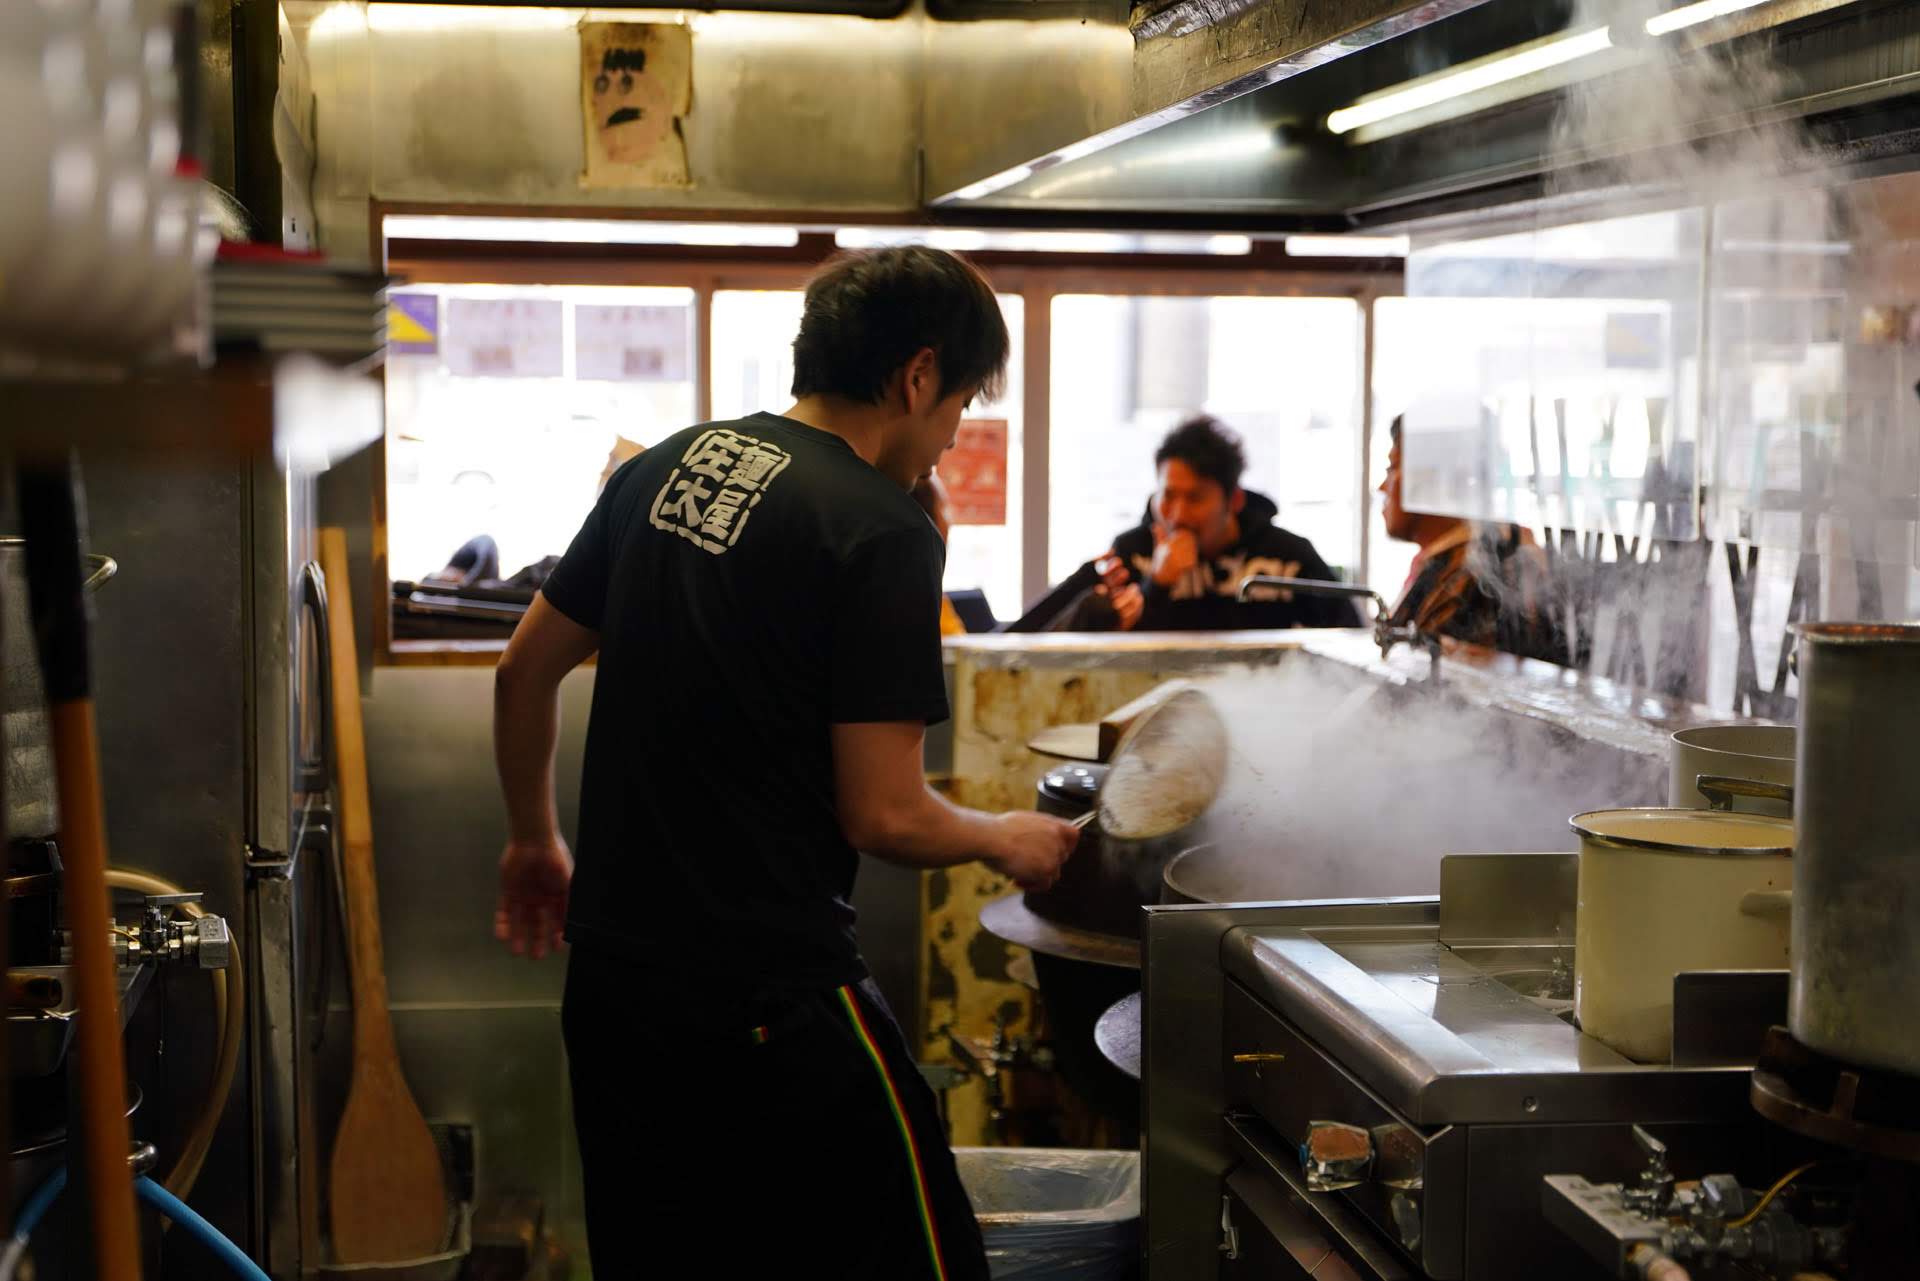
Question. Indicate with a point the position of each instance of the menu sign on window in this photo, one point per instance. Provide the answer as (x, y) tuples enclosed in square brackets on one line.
[(504, 338), (974, 472), (630, 344)]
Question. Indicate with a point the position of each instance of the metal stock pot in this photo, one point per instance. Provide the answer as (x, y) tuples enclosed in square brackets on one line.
[(31, 809), (1856, 875), (1759, 753)]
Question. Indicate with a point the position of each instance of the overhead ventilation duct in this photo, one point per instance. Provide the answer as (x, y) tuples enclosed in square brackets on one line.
[(1413, 112)]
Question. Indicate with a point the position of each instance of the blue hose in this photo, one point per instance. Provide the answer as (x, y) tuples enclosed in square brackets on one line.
[(39, 1203), (153, 1194), (183, 1216)]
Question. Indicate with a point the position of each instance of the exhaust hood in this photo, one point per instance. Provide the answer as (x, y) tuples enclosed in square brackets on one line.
[(1288, 116)]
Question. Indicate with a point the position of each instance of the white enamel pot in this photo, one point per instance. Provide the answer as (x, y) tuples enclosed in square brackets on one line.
[(1663, 891)]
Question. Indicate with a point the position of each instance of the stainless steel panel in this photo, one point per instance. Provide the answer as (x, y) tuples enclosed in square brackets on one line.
[(1205, 78), (1443, 1042), (1000, 92), (1508, 897), (439, 826), (1270, 1240), (1183, 1152), (285, 1190), (1422, 1169), (1249, 45), (279, 503), (169, 649)]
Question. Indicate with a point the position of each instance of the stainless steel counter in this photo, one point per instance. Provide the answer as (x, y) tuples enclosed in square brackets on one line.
[(1429, 1042)]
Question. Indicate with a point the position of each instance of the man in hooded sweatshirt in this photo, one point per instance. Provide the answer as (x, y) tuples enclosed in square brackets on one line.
[(1181, 568)]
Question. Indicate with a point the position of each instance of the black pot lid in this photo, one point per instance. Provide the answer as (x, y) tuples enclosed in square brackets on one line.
[(1011, 919), (1074, 783)]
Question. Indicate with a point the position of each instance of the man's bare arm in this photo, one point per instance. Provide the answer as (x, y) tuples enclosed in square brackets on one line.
[(536, 867), (887, 810)]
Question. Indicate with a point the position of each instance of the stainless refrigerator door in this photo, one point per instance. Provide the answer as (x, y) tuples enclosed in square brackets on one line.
[(286, 862)]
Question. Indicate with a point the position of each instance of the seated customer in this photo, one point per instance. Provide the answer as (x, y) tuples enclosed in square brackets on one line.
[(1181, 568), (1483, 583)]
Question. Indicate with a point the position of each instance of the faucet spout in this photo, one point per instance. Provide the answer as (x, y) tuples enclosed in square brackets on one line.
[(1386, 633)]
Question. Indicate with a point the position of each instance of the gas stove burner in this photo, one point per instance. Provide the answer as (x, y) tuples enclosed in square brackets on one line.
[(1865, 1110)]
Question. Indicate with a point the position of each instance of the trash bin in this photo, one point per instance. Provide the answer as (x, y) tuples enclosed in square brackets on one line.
[(1056, 1214)]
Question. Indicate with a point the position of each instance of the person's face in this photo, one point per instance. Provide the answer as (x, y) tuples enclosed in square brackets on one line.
[(1399, 522), (631, 114), (1187, 500), (929, 423)]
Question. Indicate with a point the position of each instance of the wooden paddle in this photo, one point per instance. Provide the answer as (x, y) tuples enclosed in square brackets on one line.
[(51, 513), (388, 1199)]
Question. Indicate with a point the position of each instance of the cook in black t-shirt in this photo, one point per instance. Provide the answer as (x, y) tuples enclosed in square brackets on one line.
[(753, 583), (764, 597)]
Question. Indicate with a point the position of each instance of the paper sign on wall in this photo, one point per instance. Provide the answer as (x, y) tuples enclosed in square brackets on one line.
[(504, 338), (974, 472), (630, 344), (636, 82)]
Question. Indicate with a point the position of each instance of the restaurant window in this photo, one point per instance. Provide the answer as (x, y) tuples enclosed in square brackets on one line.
[(505, 404), (1283, 372), (753, 332)]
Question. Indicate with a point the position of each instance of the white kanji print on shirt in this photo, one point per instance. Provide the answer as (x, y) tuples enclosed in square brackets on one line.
[(1223, 577), (720, 480)]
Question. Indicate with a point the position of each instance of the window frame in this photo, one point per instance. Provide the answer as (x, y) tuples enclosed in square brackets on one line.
[(1036, 278)]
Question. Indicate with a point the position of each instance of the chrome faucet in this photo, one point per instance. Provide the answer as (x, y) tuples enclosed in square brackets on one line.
[(1386, 633)]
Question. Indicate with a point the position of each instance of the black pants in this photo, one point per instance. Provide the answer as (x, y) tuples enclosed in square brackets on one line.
[(786, 1136)]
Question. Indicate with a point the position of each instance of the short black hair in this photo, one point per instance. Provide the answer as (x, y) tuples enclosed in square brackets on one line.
[(868, 313), (1207, 445), (1395, 427)]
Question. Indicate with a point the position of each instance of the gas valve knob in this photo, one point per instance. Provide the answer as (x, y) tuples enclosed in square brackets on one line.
[(1335, 1156), (212, 942)]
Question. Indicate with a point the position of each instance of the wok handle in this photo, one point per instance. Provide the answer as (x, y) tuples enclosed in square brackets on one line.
[(1720, 790)]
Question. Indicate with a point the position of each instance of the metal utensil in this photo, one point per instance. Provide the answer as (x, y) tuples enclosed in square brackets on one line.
[(1166, 772)]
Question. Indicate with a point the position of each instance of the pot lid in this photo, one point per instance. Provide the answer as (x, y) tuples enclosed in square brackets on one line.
[(1075, 784), (1685, 831)]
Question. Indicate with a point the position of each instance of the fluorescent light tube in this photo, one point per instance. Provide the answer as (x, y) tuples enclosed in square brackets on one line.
[(1348, 246), (1472, 78), (1693, 14)]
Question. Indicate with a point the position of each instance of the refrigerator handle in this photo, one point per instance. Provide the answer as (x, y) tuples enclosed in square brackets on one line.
[(315, 773)]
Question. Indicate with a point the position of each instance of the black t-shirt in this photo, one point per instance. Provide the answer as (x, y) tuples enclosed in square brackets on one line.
[(753, 583), (1207, 598)]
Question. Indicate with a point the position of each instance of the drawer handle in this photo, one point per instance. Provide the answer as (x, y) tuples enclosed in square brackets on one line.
[(1265, 1056)]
